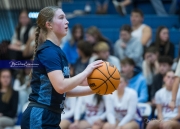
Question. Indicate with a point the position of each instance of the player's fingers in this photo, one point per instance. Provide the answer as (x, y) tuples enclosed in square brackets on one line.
[(97, 66), (97, 62)]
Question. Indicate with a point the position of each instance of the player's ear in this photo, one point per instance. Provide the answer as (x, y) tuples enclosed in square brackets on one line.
[(48, 25)]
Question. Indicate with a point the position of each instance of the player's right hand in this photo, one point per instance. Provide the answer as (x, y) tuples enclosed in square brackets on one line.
[(92, 66), (172, 105)]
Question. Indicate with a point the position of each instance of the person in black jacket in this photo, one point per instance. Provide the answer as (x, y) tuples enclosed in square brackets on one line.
[(165, 64), (162, 42), (8, 100)]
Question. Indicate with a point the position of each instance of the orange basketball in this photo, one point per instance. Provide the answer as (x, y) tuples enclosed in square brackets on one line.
[(105, 79)]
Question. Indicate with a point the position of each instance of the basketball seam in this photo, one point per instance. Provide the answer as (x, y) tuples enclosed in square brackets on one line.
[(112, 74), (108, 78)]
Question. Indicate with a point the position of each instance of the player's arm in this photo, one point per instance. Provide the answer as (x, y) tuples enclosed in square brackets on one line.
[(62, 85), (147, 34), (79, 91)]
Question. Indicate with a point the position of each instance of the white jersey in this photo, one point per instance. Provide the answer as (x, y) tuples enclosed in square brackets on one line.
[(69, 108), (123, 110), (139, 32), (93, 112), (163, 97)]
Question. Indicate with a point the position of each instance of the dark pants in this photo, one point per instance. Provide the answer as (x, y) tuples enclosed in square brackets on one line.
[(40, 118)]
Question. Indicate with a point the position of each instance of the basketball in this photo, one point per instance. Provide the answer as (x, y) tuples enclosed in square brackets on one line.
[(105, 79)]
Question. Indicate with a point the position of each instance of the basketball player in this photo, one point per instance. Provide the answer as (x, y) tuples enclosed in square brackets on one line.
[(167, 119), (49, 81), (68, 116), (94, 112), (121, 108)]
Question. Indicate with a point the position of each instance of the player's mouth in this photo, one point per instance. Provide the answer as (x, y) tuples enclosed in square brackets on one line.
[(66, 28)]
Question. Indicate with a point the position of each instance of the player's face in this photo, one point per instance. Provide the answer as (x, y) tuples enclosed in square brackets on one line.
[(127, 69), (164, 34), (125, 36), (24, 19), (60, 23), (169, 79), (103, 55), (90, 38), (136, 18), (5, 78), (163, 68)]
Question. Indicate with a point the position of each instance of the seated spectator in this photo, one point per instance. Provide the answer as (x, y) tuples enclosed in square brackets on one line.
[(135, 78), (68, 116), (84, 49), (102, 6), (70, 47), (165, 64), (141, 31), (167, 118), (162, 42), (160, 10), (8, 100), (124, 47), (150, 66), (101, 50), (3, 49), (23, 34), (93, 35), (22, 82), (94, 112), (120, 6), (121, 108)]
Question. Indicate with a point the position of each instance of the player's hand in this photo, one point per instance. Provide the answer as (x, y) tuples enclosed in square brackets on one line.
[(75, 125), (172, 105), (92, 66)]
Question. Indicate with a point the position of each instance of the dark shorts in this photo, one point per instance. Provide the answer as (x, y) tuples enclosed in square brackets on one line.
[(40, 118)]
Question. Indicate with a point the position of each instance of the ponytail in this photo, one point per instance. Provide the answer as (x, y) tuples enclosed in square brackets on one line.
[(36, 43)]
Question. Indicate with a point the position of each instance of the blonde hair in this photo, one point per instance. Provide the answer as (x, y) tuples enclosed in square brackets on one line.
[(101, 46), (46, 14)]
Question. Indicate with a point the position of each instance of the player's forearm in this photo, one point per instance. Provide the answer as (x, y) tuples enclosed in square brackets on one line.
[(79, 91), (71, 83), (175, 89)]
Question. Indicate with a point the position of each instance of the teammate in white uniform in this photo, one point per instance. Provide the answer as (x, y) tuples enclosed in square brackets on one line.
[(67, 116), (95, 114), (167, 118), (121, 108)]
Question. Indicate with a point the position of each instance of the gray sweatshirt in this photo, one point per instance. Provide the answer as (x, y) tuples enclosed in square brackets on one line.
[(133, 50)]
